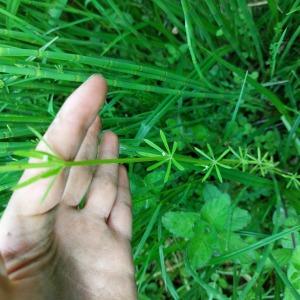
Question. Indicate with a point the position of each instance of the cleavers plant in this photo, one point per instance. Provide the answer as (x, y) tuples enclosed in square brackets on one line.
[(204, 97)]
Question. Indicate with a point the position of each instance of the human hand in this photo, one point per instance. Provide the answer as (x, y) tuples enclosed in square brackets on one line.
[(51, 249)]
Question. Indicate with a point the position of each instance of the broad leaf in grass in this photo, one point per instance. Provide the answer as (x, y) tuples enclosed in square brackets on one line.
[(216, 211), (180, 224), (289, 240), (199, 251), (293, 197), (282, 256), (293, 274), (239, 219), (211, 192), (200, 247), (287, 218), (232, 242)]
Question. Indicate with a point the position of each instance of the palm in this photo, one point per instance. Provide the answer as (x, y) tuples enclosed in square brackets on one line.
[(52, 250)]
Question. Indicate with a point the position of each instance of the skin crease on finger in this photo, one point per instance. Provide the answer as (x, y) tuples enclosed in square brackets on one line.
[(54, 250)]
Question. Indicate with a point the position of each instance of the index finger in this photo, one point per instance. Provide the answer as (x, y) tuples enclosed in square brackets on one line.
[(68, 129), (64, 137)]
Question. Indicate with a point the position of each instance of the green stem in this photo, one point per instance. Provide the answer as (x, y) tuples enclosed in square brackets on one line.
[(128, 160), (196, 162)]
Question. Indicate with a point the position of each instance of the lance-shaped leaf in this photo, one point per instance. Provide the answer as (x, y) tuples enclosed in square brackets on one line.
[(48, 173)]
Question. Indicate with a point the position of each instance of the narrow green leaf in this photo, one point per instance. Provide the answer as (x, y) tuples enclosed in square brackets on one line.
[(147, 232), (164, 140), (202, 153), (177, 165), (218, 173), (156, 165), (154, 146), (47, 174), (168, 171), (291, 292)]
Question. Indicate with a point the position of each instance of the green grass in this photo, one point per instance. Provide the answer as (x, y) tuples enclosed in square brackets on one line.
[(204, 96)]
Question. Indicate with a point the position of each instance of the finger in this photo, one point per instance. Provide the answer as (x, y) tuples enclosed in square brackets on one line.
[(30, 214), (4, 281), (103, 189), (64, 137), (120, 218), (80, 177), (2, 267), (69, 128)]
